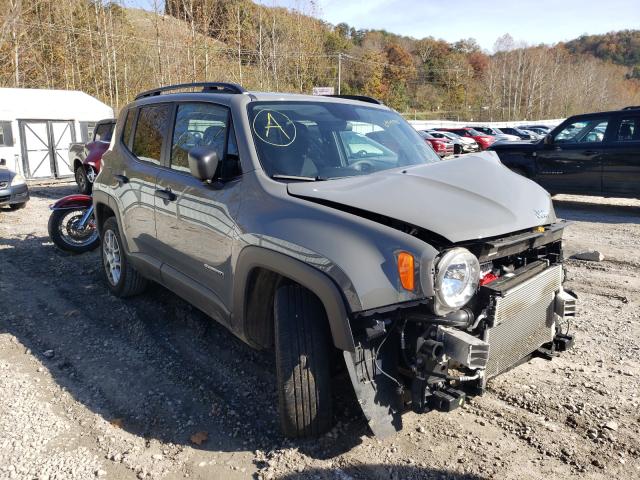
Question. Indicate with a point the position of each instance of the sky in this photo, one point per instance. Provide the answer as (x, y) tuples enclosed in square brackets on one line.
[(531, 21)]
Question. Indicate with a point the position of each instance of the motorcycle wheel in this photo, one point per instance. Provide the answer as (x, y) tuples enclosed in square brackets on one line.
[(67, 237)]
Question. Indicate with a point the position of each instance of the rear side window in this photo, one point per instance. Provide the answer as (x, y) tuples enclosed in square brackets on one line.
[(198, 125), (128, 127), (103, 132), (150, 132), (628, 130)]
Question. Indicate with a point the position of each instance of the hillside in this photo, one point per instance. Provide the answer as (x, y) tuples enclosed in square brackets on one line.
[(622, 48), (114, 52)]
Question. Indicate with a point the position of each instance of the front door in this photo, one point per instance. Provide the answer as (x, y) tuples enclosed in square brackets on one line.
[(621, 167), (572, 163), (45, 147), (195, 219)]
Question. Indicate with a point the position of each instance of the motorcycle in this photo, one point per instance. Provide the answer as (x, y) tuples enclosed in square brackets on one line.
[(72, 225)]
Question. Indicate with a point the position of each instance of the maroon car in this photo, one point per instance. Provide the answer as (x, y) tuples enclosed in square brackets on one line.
[(443, 147), (86, 158), (485, 141)]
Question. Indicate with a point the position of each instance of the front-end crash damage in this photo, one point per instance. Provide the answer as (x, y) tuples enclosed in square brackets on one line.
[(432, 355)]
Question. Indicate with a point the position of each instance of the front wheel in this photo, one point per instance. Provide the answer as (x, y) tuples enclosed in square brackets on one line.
[(84, 185), (17, 206), (122, 279), (65, 231), (303, 361)]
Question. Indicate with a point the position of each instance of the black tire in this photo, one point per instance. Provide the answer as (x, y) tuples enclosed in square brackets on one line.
[(84, 185), (17, 206), (55, 220), (129, 281), (303, 362), (457, 149)]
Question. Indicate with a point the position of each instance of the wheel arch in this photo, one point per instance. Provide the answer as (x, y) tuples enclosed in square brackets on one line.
[(77, 163), (260, 269)]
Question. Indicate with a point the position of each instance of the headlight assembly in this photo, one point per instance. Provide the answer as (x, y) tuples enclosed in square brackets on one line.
[(18, 180), (457, 276)]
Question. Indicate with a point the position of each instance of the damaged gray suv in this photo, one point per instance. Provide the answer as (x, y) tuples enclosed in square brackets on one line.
[(325, 228)]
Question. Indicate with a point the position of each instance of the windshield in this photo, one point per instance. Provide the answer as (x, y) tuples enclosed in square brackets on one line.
[(322, 140)]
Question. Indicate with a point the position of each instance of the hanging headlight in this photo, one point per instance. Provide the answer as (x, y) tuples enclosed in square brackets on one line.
[(457, 276)]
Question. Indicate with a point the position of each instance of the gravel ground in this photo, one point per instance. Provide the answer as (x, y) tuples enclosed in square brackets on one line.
[(92, 386)]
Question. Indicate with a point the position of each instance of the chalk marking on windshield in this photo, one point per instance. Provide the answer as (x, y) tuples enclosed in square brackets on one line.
[(270, 123)]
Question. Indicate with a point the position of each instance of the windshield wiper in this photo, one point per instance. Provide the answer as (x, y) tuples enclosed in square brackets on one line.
[(297, 178)]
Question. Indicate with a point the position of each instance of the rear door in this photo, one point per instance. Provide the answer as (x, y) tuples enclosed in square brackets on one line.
[(144, 136), (621, 166), (194, 219), (572, 163)]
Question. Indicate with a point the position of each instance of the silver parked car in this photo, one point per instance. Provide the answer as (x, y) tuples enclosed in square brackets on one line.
[(14, 191), (326, 229)]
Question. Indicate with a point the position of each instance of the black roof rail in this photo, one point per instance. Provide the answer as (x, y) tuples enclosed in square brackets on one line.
[(632, 107), (207, 87), (362, 98)]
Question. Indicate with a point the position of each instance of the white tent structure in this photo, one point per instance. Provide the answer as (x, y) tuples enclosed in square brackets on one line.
[(37, 127)]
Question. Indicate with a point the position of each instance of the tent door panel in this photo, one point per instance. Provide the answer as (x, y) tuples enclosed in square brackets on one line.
[(36, 150), (62, 135), (45, 147)]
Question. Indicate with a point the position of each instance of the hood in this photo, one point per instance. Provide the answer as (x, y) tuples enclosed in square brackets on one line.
[(467, 198)]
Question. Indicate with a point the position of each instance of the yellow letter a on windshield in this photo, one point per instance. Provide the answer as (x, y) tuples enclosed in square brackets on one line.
[(273, 123)]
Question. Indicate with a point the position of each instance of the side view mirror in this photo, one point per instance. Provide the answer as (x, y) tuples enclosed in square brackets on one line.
[(203, 162), (3, 162), (548, 139)]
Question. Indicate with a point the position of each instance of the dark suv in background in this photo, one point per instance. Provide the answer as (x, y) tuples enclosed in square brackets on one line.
[(590, 154)]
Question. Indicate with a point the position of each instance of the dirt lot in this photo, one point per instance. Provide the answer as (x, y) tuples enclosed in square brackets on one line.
[(91, 386)]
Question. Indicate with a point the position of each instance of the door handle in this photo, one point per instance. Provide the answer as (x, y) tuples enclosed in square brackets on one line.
[(121, 179), (166, 195)]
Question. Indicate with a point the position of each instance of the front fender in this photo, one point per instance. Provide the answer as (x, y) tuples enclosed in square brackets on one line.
[(252, 257), (72, 201)]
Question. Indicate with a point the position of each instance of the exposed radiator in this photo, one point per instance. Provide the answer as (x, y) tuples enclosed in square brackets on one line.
[(523, 320)]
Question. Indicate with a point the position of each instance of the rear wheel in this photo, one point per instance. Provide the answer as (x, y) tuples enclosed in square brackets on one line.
[(457, 149), (122, 279), (303, 362), (84, 185)]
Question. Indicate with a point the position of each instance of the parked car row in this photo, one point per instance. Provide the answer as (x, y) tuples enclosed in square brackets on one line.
[(479, 137)]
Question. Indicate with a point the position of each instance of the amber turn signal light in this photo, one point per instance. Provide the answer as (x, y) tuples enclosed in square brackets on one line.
[(406, 270)]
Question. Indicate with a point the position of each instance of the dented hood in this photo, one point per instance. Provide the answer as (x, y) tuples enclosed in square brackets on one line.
[(466, 198)]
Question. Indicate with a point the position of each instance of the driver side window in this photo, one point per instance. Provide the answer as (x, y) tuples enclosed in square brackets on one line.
[(197, 125), (583, 131)]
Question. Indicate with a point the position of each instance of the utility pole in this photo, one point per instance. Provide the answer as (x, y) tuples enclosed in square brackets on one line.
[(339, 71)]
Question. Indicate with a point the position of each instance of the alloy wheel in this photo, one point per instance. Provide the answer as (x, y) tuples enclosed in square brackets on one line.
[(112, 257)]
